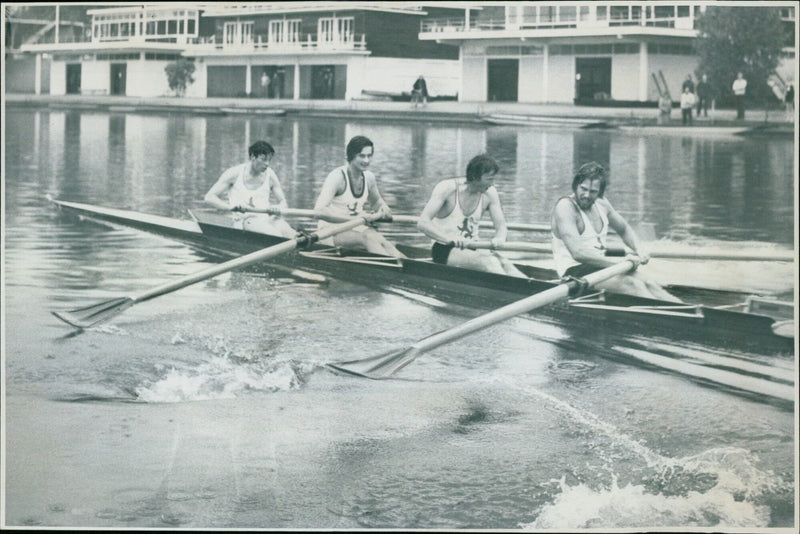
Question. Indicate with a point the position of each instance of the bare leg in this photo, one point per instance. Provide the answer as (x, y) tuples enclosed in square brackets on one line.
[(482, 260), (637, 285)]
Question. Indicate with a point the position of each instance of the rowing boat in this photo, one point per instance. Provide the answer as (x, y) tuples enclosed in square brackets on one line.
[(718, 318)]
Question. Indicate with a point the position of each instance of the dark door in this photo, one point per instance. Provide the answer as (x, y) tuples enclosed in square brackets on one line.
[(74, 79), (594, 82), (322, 81), (118, 76), (503, 80)]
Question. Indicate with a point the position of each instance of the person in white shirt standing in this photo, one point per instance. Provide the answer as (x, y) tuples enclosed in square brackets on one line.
[(739, 90)]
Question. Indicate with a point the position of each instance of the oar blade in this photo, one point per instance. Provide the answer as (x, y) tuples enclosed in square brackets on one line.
[(95, 313), (377, 367)]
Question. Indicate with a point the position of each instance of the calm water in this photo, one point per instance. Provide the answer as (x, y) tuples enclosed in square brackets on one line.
[(209, 407)]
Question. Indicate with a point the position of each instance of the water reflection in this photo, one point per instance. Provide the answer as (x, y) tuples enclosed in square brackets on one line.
[(716, 187)]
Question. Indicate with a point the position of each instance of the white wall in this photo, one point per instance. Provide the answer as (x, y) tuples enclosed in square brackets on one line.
[(58, 78), (95, 77), (397, 75), (473, 84), (561, 80), (531, 77), (675, 69), (625, 77)]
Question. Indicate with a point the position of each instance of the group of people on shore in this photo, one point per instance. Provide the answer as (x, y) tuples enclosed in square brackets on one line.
[(691, 98), (580, 221), (701, 96)]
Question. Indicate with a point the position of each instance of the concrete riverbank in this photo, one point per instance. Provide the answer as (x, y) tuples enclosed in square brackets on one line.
[(773, 121)]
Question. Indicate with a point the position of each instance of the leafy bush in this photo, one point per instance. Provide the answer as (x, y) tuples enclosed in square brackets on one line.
[(179, 75)]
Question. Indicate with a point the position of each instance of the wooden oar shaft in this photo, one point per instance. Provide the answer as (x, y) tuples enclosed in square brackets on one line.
[(249, 259), (412, 219), (516, 308)]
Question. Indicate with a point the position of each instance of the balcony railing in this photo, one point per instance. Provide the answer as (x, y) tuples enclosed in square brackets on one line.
[(442, 25), (260, 43)]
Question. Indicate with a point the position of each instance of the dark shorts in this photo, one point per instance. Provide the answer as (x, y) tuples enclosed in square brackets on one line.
[(581, 270), (440, 252)]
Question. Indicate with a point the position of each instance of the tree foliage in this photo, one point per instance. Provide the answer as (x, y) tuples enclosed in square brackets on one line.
[(179, 75), (734, 39)]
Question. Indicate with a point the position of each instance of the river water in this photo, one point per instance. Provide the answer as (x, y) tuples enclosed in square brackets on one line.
[(209, 407)]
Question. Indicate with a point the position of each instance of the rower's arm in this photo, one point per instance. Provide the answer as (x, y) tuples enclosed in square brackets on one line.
[(332, 186), (498, 217), (618, 223), (375, 198), (425, 222), (565, 227), (222, 186), (277, 190)]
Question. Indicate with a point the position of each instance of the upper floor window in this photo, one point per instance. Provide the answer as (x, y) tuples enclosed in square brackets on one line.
[(284, 31), (335, 30)]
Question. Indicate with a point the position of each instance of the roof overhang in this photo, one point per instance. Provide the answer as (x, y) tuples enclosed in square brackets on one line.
[(110, 47), (457, 38), (272, 8)]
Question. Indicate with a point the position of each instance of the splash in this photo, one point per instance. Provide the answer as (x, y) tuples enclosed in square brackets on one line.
[(221, 378), (634, 505)]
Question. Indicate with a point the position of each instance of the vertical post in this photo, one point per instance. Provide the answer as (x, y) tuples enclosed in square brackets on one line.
[(247, 81), (37, 75), (643, 69), (58, 21), (296, 88), (546, 73)]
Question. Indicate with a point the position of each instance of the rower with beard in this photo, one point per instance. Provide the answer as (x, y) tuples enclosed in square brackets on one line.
[(346, 193), (249, 188), (452, 214), (580, 224)]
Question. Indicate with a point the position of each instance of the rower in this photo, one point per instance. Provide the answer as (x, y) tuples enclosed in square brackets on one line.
[(580, 225), (344, 195), (249, 187), (451, 218)]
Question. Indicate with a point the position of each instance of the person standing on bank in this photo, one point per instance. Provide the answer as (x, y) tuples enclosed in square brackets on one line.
[(249, 187), (687, 104), (451, 218), (420, 91), (344, 195), (703, 95), (739, 89), (580, 224), (688, 82), (789, 100)]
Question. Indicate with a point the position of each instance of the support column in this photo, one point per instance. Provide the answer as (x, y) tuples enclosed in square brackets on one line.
[(546, 73), (643, 68), (296, 88), (37, 74), (248, 78)]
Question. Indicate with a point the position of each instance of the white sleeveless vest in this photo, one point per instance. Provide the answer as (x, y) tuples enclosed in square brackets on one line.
[(591, 238)]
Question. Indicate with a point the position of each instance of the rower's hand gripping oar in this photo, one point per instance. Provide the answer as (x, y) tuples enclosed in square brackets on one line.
[(102, 311), (384, 365)]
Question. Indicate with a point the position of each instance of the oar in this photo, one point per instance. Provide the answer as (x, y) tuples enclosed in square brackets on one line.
[(382, 366), (404, 219), (102, 311), (522, 246)]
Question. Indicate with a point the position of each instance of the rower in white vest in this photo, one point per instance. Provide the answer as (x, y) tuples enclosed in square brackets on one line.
[(347, 192), (249, 187), (580, 224), (452, 214)]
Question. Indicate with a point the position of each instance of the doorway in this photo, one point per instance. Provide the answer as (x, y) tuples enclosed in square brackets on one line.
[(503, 80), (73, 78), (593, 78), (118, 77)]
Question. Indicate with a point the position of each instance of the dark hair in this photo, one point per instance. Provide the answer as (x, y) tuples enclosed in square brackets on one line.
[(591, 171), (260, 148), (356, 145), (480, 165)]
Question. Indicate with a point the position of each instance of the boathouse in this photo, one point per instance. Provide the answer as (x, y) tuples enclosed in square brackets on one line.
[(292, 50), (590, 52)]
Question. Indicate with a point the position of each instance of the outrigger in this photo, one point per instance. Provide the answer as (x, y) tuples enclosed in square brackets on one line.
[(711, 317)]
